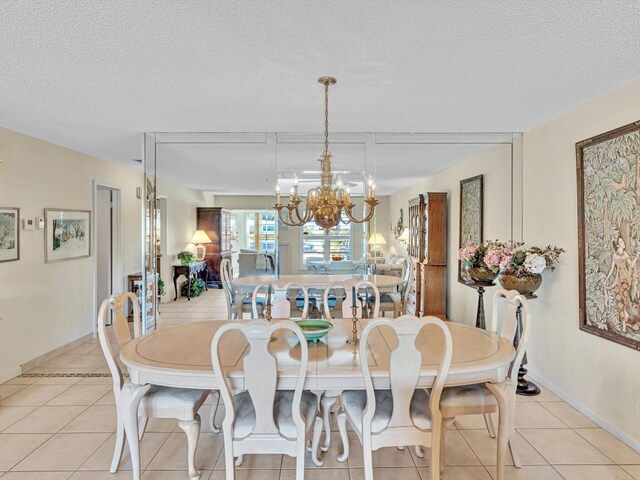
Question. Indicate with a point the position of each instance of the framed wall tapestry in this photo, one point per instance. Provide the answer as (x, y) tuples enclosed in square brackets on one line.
[(67, 234), (608, 171), (9, 234), (471, 204)]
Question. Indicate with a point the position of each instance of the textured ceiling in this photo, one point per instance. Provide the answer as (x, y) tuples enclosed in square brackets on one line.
[(93, 75)]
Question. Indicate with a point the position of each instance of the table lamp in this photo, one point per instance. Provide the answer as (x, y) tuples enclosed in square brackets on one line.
[(376, 239), (198, 239)]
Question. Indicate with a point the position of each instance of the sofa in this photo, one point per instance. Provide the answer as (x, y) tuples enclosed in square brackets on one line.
[(393, 265), (253, 262)]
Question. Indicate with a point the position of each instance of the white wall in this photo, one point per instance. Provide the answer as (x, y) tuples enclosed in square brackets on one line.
[(495, 165), (602, 376), (44, 306)]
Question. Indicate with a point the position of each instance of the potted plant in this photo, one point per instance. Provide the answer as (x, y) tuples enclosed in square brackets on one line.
[(186, 258), (197, 287), (524, 267), (482, 262)]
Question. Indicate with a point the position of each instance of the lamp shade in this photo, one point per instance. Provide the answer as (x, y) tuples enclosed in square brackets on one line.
[(200, 237), (376, 239), (404, 237)]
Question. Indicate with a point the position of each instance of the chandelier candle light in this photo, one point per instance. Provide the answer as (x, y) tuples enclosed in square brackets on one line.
[(324, 205)]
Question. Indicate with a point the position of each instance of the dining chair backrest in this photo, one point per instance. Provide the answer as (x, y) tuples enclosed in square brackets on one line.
[(349, 287), (280, 304), (407, 272), (514, 301), (115, 303), (405, 363), (260, 374), (225, 276)]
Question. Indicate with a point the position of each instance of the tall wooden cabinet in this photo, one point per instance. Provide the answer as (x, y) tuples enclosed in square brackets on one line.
[(216, 222), (428, 248)]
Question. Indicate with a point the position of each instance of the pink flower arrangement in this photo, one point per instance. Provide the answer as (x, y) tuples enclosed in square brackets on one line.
[(468, 252)]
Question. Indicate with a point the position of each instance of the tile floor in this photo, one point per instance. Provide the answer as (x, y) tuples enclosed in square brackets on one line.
[(59, 428)]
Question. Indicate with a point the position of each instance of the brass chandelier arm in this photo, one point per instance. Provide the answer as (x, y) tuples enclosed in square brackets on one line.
[(289, 222), (371, 203), (302, 218)]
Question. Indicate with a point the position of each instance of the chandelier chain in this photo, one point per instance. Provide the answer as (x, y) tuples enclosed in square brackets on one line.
[(326, 117)]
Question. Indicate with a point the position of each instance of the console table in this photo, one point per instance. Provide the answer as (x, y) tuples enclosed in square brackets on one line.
[(195, 270)]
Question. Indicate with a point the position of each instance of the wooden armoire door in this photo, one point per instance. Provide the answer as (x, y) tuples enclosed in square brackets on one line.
[(215, 221)]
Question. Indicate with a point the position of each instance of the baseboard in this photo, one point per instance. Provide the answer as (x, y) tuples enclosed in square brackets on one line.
[(54, 353), (594, 417)]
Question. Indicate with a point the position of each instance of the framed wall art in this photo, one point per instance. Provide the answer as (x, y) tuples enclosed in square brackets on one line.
[(608, 174), (9, 234), (471, 205), (67, 234)]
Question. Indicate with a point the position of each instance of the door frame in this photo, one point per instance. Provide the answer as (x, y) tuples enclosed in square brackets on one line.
[(118, 282)]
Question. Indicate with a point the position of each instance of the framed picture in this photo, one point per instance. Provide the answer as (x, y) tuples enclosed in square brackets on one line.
[(67, 234), (471, 204), (9, 234), (608, 174)]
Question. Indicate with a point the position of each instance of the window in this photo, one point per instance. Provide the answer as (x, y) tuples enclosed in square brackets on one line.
[(334, 244), (260, 231)]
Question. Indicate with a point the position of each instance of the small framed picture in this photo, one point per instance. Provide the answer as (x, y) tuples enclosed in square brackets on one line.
[(67, 234), (9, 234)]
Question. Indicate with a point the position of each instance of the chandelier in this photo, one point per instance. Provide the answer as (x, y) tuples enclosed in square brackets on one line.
[(325, 204)]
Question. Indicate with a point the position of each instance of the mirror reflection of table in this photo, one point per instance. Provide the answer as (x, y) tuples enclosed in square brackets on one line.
[(245, 285), (248, 284)]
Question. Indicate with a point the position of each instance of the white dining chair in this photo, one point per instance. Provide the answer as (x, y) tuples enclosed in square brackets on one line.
[(347, 304), (237, 305), (281, 306), (482, 398), (158, 402), (396, 302), (404, 414), (261, 419)]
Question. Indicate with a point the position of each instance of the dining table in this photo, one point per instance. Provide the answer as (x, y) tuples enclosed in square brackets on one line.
[(180, 356)]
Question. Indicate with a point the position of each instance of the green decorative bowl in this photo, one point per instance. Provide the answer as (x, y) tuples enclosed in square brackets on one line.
[(314, 330)]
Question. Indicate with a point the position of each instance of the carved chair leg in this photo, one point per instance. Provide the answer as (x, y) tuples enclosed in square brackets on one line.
[(342, 427), (215, 402), (488, 420), (326, 402), (506, 397), (315, 441), (514, 450), (192, 429), (119, 447), (142, 426), (447, 423), (131, 395)]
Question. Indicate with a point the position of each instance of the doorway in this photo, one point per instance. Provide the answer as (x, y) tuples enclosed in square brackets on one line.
[(108, 277)]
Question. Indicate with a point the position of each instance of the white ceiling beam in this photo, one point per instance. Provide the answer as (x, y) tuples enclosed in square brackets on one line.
[(444, 138), (210, 137)]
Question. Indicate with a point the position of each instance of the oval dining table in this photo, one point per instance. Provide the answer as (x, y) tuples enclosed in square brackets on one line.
[(180, 356)]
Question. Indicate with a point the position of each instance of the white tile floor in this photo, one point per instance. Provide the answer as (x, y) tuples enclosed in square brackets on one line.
[(59, 428)]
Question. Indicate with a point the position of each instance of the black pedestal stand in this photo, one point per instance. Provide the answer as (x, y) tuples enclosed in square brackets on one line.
[(525, 387), (480, 286)]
